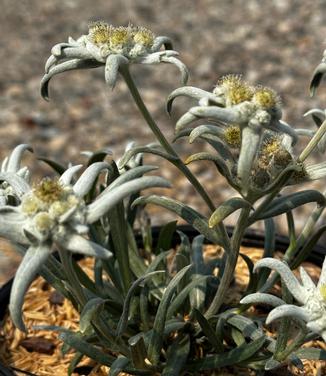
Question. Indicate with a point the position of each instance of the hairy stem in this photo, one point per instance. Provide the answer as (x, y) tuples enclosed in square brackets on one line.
[(231, 261), (124, 70)]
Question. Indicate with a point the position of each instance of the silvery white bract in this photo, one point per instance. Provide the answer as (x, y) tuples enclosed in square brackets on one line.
[(311, 297), (14, 178), (234, 102), (54, 213), (113, 47)]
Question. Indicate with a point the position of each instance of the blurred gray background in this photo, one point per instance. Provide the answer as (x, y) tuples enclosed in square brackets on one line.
[(275, 43)]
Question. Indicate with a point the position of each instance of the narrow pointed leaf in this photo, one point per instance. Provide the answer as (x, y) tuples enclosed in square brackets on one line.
[(284, 204), (156, 340), (77, 341), (227, 208), (31, 264), (118, 366), (89, 310), (106, 202), (54, 165), (177, 356), (122, 324), (73, 364), (144, 149), (317, 77), (209, 332), (185, 212), (165, 236), (237, 355)]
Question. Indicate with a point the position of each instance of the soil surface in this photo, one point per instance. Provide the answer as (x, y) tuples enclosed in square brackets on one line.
[(274, 43)]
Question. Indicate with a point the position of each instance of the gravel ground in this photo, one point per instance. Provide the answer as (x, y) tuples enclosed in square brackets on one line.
[(274, 43)]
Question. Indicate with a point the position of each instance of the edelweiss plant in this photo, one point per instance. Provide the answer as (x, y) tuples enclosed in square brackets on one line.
[(163, 310)]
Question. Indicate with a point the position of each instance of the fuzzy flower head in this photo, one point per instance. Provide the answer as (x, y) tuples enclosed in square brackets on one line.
[(47, 204), (234, 88), (53, 214), (129, 41), (232, 136), (312, 298), (114, 47), (13, 177)]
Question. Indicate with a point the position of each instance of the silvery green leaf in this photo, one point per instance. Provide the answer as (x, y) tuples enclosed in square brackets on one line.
[(72, 52), (227, 208), (30, 265), (67, 177), (296, 289), (178, 301), (118, 365), (191, 92), (112, 65), (285, 203), (12, 222), (288, 310), (198, 294), (195, 113), (234, 356), (85, 182), (205, 129), (145, 149), (77, 244), (74, 362), (90, 309), (106, 202), (179, 64), (311, 353), (138, 350), (56, 50), (156, 340), (188, 214), (162, 41), (123, 321), (63, 67), (219, 162), (177, 356), (250, 141), (306, 280), (18, 184), (316, 77), (209, 332), (262, 298), (14, 160), (129, 175), (78, 342)]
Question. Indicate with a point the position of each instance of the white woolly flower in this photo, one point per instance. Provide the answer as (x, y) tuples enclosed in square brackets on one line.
[(112, 47), (54, 214), (312, 298), (13, 178)]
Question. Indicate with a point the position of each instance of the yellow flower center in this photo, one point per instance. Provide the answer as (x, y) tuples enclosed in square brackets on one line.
[(322, 291), (144, 36), (271, 146), (43, 222), (266, 98), (49, 190), (232, 136), (237, 90), (100, 32)]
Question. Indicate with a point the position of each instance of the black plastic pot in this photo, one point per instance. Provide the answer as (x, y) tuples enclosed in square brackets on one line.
[(252, 238)]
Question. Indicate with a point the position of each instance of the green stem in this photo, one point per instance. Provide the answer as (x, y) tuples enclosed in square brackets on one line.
[(124, 70), (231, 262), (161, 138), (313, 143), (77, 289)]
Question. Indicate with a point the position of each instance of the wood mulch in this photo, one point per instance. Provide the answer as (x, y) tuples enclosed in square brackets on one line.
[(39, 351)]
